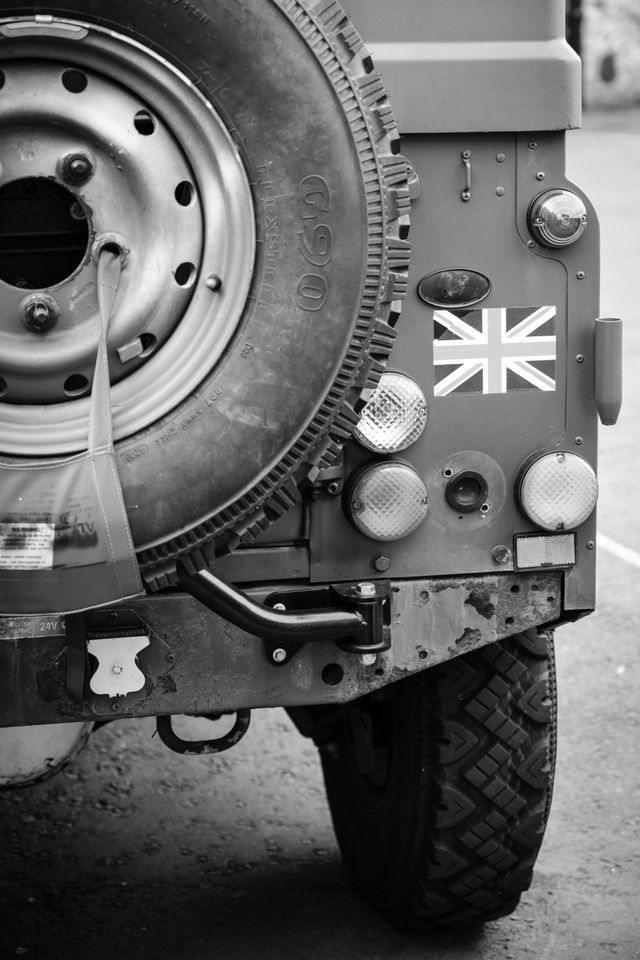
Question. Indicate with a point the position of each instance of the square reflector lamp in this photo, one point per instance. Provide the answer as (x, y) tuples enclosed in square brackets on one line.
[(553, 550)]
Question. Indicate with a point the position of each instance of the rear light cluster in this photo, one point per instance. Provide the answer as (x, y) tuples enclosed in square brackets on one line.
[(387, 499)]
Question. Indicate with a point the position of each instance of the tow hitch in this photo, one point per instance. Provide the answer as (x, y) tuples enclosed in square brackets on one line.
[(356, 616)]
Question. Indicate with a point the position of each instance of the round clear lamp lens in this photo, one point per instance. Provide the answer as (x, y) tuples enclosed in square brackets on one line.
[(394, 417), (559, 491), (388, 501), (557, 218)]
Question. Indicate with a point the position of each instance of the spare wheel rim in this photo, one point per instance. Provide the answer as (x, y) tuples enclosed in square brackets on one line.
[(163, 181)]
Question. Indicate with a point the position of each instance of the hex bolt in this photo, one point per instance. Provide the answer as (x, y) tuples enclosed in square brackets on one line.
[(279, 655), (333, 488), (366, 589), (76, 169), (501, 553), (368, 659), (381, 563), (39, 313)]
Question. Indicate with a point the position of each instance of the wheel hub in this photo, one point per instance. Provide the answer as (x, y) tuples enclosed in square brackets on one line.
[(117, 148)]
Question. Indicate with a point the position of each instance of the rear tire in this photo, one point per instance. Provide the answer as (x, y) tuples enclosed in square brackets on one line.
[(440, 786)]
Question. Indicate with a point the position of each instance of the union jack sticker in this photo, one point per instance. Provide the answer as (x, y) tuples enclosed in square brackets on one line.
[(497, 350)]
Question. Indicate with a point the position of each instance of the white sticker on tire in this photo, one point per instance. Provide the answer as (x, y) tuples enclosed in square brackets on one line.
[(26, 546)]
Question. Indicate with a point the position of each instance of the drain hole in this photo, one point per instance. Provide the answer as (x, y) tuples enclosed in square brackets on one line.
[(144, 123), (3, 386), (184, 193), (184, 274), (332, 674), (149, 343), (41, 240), (76, 385), (75, 81)]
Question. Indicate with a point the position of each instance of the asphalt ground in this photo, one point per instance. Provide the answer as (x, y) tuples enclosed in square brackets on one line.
[(133, 852)]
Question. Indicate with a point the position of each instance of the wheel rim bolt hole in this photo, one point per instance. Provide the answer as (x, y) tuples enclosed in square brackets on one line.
[(184, 274), (76, 385), (184, 193), (144, 123), (75, 81)]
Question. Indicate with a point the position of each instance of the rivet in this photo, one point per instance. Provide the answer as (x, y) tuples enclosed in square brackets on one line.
[(579, 441), (532, 145), (530, 244), (590, 544), (500, 191), (116, 668), (540, 175), (501, 157), (580, 274), (579, 358), (213, 282)]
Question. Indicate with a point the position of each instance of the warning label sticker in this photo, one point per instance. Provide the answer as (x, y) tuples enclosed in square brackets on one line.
[(26, 546)]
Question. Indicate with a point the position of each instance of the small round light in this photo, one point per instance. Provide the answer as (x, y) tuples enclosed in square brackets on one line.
[(387, 501), (558, 491), (394, 417), (557, 218)]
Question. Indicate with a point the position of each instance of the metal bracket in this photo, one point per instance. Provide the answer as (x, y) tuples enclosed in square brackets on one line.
[(357, 625)]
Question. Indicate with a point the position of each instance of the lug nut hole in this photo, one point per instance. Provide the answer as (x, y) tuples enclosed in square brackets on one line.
[(75, 81), (184, 274), (144, 123), (76, 385), (149, 343), (184, 193)]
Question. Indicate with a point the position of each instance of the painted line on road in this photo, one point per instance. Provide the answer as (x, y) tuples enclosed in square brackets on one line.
[(617, 550)]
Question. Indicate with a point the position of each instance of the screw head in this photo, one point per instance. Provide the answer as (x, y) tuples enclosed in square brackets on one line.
[(279, 655)]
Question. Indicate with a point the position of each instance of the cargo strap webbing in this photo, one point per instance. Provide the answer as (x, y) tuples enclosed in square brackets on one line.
[(65, 541)]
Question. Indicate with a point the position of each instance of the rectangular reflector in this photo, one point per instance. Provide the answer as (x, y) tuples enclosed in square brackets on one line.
[(554, 550)]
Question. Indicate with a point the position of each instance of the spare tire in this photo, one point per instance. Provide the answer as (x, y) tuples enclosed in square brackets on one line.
[(244, 159)]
